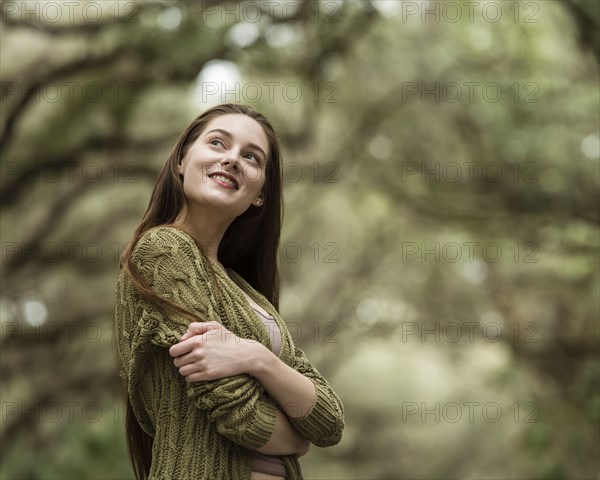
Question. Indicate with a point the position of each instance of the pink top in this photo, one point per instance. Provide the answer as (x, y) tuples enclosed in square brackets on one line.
[(269, 463)]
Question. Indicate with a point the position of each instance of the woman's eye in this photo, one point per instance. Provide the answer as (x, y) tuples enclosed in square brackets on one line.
[(253, 156), (213, 140)]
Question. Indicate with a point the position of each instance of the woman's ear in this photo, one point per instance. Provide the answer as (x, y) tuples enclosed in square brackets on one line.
[(180, 170)]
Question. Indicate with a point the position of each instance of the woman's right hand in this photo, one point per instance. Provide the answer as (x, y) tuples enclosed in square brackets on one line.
[(209, 351)]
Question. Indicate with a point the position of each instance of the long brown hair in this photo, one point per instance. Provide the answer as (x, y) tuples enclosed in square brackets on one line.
[(249, 245)]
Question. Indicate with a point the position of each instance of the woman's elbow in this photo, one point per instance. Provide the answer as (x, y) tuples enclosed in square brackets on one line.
[(333, 438)]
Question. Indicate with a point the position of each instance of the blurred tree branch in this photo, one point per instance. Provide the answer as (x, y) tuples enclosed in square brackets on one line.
[(586, 15), (11, 191)]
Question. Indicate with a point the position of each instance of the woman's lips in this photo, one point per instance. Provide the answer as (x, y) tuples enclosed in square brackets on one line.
[(226, 185)]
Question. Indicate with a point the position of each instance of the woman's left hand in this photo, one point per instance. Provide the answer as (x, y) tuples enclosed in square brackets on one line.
[(209, 351)]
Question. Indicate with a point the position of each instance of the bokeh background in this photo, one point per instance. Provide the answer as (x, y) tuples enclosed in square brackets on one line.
[(440, 242)]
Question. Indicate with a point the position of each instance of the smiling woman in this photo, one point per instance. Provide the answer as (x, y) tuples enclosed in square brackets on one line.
[(228, 155), (213, 384)]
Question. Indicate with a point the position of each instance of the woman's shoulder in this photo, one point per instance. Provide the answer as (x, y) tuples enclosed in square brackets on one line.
[(166, 240), (167, 234)]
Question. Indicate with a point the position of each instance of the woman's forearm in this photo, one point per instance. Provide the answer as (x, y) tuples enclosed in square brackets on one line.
[(200, 356), (294, 392), (285, 439)]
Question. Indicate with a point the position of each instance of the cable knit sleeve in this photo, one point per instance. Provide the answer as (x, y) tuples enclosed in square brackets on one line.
[(323, 424), (237, 405)]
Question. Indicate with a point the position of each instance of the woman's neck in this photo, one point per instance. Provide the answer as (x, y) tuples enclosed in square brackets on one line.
[(207, 234)]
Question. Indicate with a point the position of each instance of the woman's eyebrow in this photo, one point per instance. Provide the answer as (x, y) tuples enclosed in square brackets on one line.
[(228, 135)]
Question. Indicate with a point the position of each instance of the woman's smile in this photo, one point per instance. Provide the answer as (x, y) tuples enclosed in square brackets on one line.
[(225, 180)]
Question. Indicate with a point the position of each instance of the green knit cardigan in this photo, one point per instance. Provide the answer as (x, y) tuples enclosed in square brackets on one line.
[(207, 429)]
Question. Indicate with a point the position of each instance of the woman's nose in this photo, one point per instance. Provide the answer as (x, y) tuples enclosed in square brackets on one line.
[(232, 160)]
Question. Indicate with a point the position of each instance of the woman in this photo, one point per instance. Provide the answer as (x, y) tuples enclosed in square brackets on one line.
[(214, 386)]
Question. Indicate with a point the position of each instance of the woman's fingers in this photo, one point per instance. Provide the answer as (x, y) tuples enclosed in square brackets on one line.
[(190, 368), (186, 335), (181, 348), (185, 360), (187, 341), (198, 328)]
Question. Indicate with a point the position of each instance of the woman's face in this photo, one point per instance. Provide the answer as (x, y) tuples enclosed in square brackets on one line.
[(235, 146)]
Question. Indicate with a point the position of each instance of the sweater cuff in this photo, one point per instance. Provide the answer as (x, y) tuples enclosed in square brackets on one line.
[(321, 420), (260, 430)]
